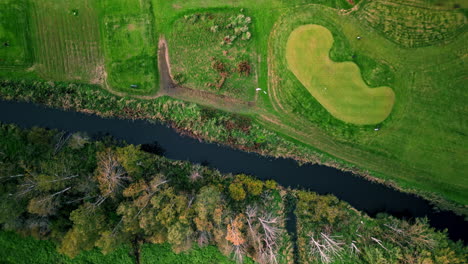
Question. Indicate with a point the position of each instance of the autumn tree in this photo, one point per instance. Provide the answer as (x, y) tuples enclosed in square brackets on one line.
[(318, 207), (208, 198), (236, 191), (179, 235), (110, 175), (88, 222), (236, 237)]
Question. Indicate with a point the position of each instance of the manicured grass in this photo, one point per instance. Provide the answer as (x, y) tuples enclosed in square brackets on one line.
[(65, 39), (14, 43), (337, 86), (130, 46), (421, 145)]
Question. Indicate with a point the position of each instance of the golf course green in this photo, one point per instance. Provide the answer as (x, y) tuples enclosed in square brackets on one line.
[(337, 86)]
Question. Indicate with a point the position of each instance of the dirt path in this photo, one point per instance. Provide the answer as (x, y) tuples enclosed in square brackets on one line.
[(170, 88)]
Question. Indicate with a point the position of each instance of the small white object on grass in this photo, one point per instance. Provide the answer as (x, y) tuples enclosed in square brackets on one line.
[(376, 129), (359, 37), (258, 89), (264, 92)]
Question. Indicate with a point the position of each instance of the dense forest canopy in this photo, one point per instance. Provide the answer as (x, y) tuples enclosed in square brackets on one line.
[(85, 194)]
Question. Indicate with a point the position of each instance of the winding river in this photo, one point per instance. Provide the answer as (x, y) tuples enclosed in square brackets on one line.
[(369, 197)]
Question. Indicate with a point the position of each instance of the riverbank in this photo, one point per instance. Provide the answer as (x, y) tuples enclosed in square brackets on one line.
[(203, 124), (361, 194), (419, 148)]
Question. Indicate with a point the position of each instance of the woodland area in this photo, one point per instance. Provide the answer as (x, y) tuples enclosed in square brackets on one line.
[(85, 193)]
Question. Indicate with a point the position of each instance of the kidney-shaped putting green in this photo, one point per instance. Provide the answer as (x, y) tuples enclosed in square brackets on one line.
[(338, 86)]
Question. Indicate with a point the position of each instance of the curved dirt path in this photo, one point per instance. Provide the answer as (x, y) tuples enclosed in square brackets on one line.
[(167, 87)]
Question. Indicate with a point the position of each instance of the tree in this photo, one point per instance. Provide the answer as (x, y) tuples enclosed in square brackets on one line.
[(42, 205), (131, 158), (110, 241), (88, 223), (271, 184), (110, 175), (179, 235), (254, 187), (235, 236), (236, 191), (10, 208), (206, 201), (318, 207)]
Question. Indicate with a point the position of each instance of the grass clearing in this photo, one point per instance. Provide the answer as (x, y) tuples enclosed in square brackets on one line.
[(14, 34), (130, 46), (337, 86), (420, 26), (15, 249), (66, 40), (225, 60)]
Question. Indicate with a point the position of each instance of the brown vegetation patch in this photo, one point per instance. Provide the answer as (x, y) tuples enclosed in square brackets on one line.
[(131, 27), (244, 68)]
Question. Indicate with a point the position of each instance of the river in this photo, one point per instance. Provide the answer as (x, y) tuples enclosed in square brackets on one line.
[(364, 195)]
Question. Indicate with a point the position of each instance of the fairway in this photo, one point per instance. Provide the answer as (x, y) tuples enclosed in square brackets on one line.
[(337, 86)]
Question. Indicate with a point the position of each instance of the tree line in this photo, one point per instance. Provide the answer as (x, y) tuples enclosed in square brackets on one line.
[(86, 194)]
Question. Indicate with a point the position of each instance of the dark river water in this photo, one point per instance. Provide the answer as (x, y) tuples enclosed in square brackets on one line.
[(369, 197)]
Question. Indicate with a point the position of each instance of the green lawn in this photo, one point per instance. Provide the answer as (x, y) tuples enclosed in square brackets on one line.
[(338, 87), (130, 46), (14, 39), (66, 40)]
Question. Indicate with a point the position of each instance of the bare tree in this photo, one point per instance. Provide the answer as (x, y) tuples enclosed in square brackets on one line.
[(379, 242), (325, 247), (271, 231), (354, 248), (264, 232), (404, 233), (62, 139), (110, 175)]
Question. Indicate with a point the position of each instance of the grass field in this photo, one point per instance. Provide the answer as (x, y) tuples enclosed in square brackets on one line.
[(130, 46), (66, 39), (14, 38), (337, 86), (421, 26), (202, 59), (15, 249)]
